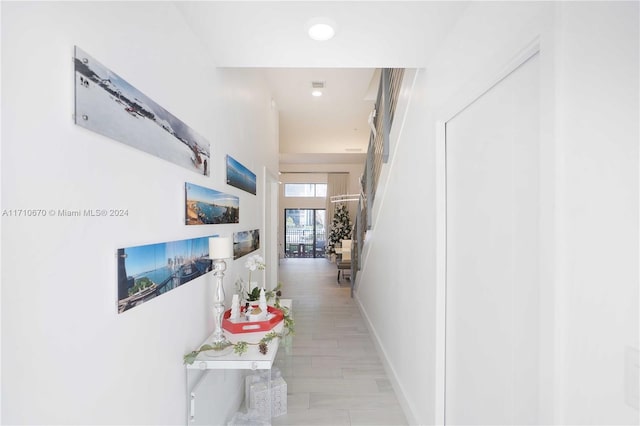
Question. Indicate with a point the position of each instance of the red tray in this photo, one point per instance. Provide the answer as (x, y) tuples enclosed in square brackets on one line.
[(252, 326)]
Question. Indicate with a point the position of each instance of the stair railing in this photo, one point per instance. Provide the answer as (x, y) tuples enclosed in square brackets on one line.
[(377, 155)]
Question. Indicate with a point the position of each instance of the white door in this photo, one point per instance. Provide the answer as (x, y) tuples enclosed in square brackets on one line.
[(492, 211)]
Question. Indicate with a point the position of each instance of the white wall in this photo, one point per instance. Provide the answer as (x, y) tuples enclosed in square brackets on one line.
[(589, 237), (67, 356), (597, 122), (399, 263)]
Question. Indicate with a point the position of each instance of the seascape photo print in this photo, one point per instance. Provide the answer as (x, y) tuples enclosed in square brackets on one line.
[(245, 242), (145, 272), (240, 177), (204, 206), (110, 106)]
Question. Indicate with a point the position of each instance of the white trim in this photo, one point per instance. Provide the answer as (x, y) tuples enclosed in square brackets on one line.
[(457, 105), (407, 408), (551, 335), (441, 272), (270, 227), (487, 82)]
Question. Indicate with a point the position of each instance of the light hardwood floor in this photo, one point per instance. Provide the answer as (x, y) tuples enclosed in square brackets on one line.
[(333, 373)]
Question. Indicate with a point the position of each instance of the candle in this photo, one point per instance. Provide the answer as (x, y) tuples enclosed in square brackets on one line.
[(220, 248)]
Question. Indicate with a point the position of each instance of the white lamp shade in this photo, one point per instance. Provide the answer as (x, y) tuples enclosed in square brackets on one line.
[(220, 248)]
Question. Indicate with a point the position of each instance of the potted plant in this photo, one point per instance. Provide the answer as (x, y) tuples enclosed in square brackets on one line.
[(252, 293)]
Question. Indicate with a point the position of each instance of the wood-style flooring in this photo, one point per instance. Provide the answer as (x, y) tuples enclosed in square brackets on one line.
[(333, 373)]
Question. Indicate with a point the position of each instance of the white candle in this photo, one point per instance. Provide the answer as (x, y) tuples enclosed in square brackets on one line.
[(220, 248)]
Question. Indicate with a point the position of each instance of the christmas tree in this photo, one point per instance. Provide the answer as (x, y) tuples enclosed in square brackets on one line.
[(340, 228)]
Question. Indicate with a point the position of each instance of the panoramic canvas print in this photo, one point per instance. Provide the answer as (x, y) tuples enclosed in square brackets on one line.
[(145, 272), (245, 242), (109, 105), (204, 206), (240, 177)]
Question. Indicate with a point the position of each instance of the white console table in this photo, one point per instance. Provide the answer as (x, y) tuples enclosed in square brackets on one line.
[(252, 359)]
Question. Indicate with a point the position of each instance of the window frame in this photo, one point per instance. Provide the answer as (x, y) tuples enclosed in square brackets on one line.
[(315, 189)]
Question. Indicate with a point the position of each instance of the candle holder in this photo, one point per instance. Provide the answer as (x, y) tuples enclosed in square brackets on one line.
[(220, 248), (219, 339)]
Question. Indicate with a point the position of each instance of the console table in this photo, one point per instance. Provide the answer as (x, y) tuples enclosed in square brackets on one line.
[(251, 360)]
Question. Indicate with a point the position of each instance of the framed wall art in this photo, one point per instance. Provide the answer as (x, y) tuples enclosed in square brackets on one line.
[(148, 271), (107, 104), (240, 177), (245, 242), (205, 206)]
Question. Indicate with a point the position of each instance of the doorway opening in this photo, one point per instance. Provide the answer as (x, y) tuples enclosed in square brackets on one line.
[(305, 232)]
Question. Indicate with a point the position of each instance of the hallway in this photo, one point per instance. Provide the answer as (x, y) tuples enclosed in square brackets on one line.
[(333, 373)]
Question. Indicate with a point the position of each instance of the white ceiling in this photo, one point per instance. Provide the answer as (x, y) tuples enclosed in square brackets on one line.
[(335, 122), (370, 34)]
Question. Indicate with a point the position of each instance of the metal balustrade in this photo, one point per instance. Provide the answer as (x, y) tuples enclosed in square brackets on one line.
[(377, 155), (302, 242)]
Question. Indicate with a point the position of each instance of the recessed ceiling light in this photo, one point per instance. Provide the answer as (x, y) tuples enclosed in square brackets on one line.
[(321, 29), (316, 93)]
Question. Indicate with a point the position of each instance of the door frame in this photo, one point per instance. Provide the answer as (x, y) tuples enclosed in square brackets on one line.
[(270, 226), (315, 210), (550, 326)]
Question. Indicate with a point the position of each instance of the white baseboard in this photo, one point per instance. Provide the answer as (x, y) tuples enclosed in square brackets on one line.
[(407, 408)]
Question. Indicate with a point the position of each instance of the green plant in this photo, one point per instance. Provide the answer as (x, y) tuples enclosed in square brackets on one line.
[(254, 294), (239, 348), (289, 324), (275, 293)]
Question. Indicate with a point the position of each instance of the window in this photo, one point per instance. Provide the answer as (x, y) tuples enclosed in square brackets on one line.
[(305, 189), (304, 232), (321, 190)]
